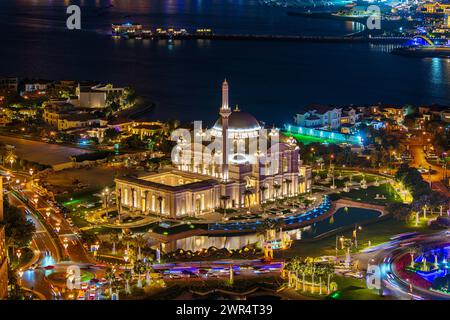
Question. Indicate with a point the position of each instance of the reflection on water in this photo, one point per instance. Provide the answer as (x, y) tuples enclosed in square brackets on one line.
[(340, 219), (386, 48)]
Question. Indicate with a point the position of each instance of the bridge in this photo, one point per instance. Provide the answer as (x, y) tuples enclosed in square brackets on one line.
[(423, 39)]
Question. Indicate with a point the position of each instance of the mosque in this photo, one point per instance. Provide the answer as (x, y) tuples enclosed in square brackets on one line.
[(234, 179)]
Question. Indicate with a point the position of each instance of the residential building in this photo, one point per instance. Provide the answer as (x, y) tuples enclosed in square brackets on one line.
[(433, 8), (94, 96), (64, 116), (36, 86), (320, 117), (436, 111), (350, 116)]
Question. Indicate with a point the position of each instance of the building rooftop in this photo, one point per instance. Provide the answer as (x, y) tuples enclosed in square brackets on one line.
[(172, 180), (80, 117), (239, 121)]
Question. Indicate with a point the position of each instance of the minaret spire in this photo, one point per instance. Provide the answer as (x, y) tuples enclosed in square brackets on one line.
[(225, 112), (225, 95)]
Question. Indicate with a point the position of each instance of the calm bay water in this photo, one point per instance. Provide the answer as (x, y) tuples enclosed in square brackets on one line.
[(273, 80), (340, 219)]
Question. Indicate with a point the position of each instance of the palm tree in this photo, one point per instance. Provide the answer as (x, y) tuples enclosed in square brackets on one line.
[(127, 276), (139, 268), (110, 276), (126, 238), (10, 157), (414, 250), (139, 241), (303, 270), (148, 270), (311, 270), (320, 270), (329, 271), (114, 238)]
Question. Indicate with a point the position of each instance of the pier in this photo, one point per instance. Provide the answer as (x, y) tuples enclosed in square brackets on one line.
[(136, 31), (274, 38)]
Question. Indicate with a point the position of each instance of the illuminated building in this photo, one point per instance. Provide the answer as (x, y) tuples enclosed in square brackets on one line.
[(126, 28), (433, 8), (3, 261), (320, 117), (236, 178)]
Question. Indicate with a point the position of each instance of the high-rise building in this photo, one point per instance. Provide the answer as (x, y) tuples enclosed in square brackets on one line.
[(3, 261)]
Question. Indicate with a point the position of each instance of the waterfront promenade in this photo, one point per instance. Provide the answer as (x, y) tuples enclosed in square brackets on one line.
[(280, 38), (41, 152)]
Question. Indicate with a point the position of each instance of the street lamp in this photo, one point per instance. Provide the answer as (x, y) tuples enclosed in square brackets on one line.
[(357, 228), (105, 195)]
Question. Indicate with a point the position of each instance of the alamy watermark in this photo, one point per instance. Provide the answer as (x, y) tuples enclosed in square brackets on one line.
[(73, 22), (73, 277), (374, 19), (206, 147)]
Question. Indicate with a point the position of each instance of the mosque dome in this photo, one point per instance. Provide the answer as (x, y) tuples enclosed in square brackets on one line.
[(239, 121)]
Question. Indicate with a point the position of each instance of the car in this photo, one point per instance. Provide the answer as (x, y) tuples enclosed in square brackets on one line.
[(212, 275)]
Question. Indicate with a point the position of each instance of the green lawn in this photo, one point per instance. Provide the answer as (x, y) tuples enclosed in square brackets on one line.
[(368, 195), (78, 209), (309, 139), (353, 289)]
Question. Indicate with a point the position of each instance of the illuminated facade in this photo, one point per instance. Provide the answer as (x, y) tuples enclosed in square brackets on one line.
[(236, 178), (320, 117), (434, 8), (3, 261)]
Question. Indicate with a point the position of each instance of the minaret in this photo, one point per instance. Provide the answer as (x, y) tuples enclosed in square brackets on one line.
[(225, 113)]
